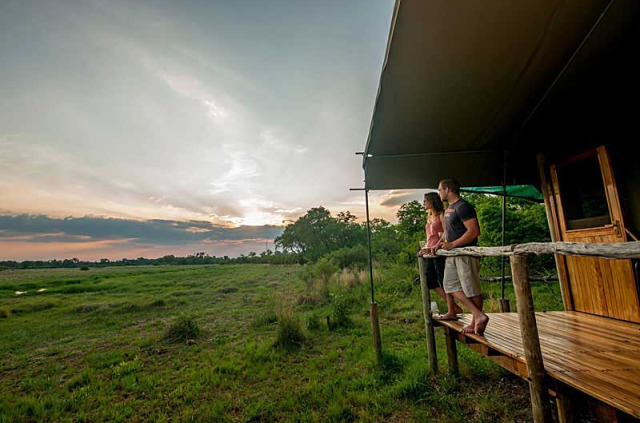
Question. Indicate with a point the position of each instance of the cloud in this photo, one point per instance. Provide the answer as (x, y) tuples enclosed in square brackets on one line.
[(89, 229), (162, 111), (400, 197)]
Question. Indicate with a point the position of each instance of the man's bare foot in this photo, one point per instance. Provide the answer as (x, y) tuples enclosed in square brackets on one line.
[(481, 325), (470, 328), (448, 316)]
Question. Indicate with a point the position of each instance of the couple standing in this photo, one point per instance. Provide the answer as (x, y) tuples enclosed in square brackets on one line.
[(454, 278)]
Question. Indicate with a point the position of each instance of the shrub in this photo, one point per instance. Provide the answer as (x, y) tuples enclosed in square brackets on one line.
[(351, 278), (182, 329), (312, 322), (84, 268), (356, 256), (4, 313), (31, 308), (126, 367), (325, 269), (80, 380), (86, 308), (290, 335), (307, 276), (127, 307), (340, 311), (227, 290), (265, 319), (308, 300), (340, 413), (158, 303)]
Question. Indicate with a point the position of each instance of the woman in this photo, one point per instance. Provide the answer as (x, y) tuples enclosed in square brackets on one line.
[(435, 264)]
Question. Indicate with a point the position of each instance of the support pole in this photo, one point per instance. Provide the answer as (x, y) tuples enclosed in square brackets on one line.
[(452, 351), (530, 339), (375, 323), (504, 302), (375, 330), (426, 309), (564, 403)]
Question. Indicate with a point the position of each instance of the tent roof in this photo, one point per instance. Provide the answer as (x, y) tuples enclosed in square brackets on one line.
[(462, 79)]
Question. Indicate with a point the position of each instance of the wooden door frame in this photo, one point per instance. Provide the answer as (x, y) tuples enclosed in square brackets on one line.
[(558, 226), (552, 220)]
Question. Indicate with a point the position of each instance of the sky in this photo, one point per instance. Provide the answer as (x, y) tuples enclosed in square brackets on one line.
[(145, 128)]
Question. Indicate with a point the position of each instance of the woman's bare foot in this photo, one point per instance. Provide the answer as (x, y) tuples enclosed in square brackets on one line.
[(448, 316), (481, 325), (456, 310)]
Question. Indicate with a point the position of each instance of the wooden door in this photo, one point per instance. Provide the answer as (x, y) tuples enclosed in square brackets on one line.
[(588, 210)]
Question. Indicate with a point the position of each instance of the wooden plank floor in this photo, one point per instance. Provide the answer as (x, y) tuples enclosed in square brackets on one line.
[(596, 355)]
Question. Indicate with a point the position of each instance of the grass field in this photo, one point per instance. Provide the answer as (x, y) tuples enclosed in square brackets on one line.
[(93, 346)]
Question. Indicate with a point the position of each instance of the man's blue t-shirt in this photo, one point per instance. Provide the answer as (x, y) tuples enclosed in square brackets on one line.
[(454, 217)]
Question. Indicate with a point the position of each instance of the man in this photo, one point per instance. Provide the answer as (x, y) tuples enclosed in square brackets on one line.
[(462, 274)]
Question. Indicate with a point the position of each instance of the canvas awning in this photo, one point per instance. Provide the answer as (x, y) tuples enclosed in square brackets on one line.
[(527, 192), (463, 80)]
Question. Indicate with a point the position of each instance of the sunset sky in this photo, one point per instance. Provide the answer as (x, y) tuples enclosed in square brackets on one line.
[(148, 128)]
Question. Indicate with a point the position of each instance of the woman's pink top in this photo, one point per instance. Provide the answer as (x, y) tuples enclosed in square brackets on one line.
[(433, 230)]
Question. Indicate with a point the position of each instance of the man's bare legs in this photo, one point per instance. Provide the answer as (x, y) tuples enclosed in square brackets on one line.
[(453, 309), (479, 320)]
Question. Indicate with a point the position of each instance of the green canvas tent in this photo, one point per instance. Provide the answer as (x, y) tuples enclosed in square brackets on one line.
[(526, 192), (464, 81)]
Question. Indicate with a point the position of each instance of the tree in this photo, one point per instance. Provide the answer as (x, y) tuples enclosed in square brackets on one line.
[(385, 239), (412, 218), (318, 233)]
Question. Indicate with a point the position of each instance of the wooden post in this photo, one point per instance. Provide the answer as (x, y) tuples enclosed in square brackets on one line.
[(375, 329), (565, 406), (426, 309), (530, 339), (505, 307), (452, 352)]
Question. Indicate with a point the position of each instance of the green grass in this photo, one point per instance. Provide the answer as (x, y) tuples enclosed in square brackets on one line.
[(93, 347)]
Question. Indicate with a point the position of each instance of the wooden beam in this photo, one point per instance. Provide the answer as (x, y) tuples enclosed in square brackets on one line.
[(530, 340), (508, 278), (613, 251), (428, 323)]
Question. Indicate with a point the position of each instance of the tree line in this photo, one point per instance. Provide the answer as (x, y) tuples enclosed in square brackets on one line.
[(342, 240)]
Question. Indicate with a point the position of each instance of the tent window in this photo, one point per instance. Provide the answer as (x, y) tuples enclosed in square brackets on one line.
[(584, 200)]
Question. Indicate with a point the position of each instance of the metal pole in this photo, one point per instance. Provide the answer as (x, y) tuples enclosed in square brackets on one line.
[(504, 303), (375, 323), (504, 212), (366, 203)]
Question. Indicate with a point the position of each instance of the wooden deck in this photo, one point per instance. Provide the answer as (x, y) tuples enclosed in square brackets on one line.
[(595, 355)]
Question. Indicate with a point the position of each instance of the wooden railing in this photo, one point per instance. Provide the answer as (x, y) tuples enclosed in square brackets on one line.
[(526, 313)]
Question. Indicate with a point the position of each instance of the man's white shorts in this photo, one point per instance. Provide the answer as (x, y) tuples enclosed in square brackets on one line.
[(462, 274)]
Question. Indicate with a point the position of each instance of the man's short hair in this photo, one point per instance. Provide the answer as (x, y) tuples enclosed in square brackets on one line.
[(452, 184)]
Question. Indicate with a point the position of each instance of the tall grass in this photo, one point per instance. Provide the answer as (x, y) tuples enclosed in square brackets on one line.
[(111, 366), (183, 328), (290, 335)]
